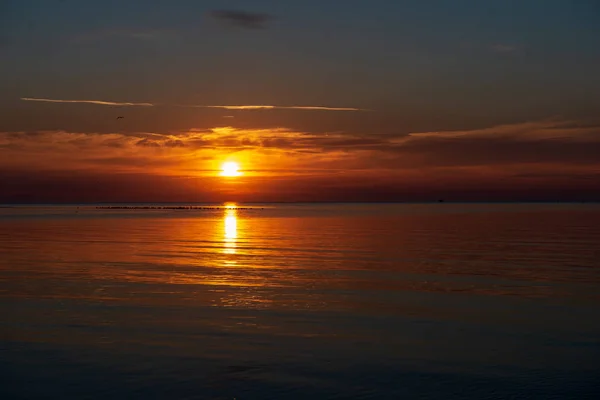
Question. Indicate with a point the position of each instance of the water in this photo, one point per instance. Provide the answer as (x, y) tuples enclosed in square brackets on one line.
[(331, 301)]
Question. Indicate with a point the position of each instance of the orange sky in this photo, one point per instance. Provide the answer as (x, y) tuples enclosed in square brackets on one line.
[(369, 101), (519, 161)]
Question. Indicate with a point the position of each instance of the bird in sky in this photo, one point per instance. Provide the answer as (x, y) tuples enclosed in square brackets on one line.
[(120, 117)]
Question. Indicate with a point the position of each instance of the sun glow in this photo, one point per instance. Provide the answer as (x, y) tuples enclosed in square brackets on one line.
[(230, 168)]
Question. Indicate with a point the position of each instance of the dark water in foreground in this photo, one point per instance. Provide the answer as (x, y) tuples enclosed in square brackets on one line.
[(440, 301)]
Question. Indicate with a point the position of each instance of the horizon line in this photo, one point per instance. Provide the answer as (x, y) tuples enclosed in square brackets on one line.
[(444, 201)]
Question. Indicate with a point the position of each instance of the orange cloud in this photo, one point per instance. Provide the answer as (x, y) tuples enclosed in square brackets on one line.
[(560, 155), (281, 148)]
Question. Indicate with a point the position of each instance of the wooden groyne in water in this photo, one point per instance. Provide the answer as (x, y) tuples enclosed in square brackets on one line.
[(175, 208)]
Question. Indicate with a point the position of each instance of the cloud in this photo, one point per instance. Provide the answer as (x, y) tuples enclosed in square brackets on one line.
[(242, 19), (147, 143), (526, 131), (269, 107), (225, 107), (553, 156), (250, 107), (532, 143), (99, 102), (324, 108)]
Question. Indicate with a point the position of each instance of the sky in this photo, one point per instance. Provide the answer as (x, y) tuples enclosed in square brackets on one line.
[(355, 100)]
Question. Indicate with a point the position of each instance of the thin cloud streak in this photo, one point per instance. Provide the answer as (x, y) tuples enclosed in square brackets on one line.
[(268, 107), (100, 102), (325, 108), (225, 107), (250, 107)]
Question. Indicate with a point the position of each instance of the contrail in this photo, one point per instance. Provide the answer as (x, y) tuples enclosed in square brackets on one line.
[(224, 107), (265, 107), (100, 102)]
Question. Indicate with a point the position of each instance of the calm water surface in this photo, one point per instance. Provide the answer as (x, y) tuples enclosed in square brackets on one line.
[(382, 301)]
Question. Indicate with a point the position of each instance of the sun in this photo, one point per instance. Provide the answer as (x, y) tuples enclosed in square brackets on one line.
[(230, 168)]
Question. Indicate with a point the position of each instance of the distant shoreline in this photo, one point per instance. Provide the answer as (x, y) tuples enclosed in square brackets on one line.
[(200, 205)]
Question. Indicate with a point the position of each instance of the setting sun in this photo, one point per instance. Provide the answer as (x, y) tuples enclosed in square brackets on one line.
[(230, 168)]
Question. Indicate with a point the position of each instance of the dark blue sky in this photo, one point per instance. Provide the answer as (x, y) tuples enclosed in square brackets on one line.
[(540, 55), (419, 66)]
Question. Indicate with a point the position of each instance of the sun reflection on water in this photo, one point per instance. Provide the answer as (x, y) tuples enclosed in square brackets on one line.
[(230, 228)]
